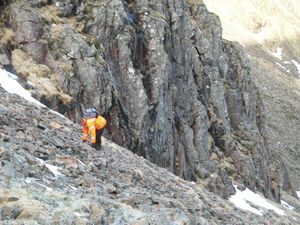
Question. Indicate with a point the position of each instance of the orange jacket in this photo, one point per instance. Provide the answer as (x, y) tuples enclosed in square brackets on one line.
[(90, 125)]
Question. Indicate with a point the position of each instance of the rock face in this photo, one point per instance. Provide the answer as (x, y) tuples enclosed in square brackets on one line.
[(274, 57), (172, 90), (48, 176)]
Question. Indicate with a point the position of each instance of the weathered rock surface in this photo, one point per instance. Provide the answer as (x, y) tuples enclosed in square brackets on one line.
[(48, 176), (172, 90), (275, 58)]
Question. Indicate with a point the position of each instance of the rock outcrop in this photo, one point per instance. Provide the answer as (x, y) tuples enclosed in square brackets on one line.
[(275, 55), (172, 90)]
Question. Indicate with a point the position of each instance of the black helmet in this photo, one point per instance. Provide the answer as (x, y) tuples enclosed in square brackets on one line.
[(89, 112)]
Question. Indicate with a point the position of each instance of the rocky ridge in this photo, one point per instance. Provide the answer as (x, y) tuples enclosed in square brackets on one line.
[(173, 91), (48, 176), (267, 31)]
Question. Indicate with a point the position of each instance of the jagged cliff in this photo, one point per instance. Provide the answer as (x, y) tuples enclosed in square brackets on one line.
[(268, 31), (172, 90)]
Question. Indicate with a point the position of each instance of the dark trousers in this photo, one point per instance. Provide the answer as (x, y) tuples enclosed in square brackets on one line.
[(97, 145)]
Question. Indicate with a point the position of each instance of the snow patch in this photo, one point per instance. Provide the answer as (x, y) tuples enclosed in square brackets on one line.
[(277, 53), (57, 113), (27, 180), (281, 66), (73, 188), (54, 170), (242, 198), (298, 193), (152, 31), (9, 82), (130, 70), (31, 83), (81, 163), (286, 205), (297, 65)]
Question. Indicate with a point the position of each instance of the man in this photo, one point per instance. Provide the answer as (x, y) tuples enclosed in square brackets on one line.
[(93, 124)]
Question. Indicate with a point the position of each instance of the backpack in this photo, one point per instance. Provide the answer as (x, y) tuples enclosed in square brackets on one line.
[(89, 113)]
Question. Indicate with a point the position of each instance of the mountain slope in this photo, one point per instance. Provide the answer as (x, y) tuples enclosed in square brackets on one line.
[(272, 23), (172, 89), (48, 176)]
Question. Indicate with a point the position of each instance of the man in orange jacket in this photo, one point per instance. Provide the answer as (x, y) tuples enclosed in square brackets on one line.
[(93, 124)]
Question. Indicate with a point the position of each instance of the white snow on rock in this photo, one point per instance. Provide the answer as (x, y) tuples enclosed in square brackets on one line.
[(286, 205), (242, 199), (131, 70), (10, 83), (54, 170), (297, 65), (298, 193), (277, 53), (281, 66)]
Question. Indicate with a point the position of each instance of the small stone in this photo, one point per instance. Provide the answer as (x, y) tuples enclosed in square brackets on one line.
[(214, 156), (29, 138), (41, 126), (96, 212), (241, 187), (109, 188), (2, 151), (8, 199), (20, 135), (4, 60), (55, 125), (138, 175), (27, 146), (6, 138), (202, 173), (122, 169), (10, 212)]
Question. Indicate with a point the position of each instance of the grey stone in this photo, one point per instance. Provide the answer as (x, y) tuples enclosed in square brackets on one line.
[(26, 24), (4, 61), (241, 187)]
